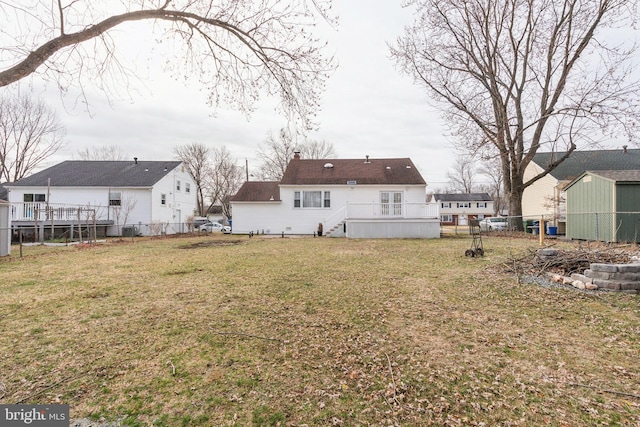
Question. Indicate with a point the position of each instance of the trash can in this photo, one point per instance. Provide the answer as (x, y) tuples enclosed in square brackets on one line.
[(553, 231)]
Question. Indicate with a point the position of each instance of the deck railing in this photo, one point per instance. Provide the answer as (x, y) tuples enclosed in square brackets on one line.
[(41, 211)]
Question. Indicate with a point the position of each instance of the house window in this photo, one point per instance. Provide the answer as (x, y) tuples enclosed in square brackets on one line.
[(187, 188), (178, 185), (163, 199), (446, 205), (327, 199), (115, 199), (482, 204), (464, 205), (446, 218), (310, 199), (29, 198)]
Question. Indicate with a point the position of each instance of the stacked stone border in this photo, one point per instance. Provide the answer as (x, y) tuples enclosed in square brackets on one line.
[(612, 277)]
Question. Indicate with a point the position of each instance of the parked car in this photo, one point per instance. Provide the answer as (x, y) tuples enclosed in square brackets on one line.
[(211, 227), (494, 223), (226, 229)]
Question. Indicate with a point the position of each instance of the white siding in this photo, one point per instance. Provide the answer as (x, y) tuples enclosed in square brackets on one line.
[(538, 198), (278, 217), (146, 209)]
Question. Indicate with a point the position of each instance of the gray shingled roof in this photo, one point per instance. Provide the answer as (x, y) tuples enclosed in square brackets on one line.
[(90, 173), (258, 191), (339, 171), (581, 161), (619, 175), (462, 197)]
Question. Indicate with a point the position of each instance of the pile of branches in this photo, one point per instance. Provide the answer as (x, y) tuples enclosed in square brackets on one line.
[(536, 262)]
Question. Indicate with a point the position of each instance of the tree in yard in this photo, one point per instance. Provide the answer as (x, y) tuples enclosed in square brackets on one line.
[(491, 169), (103, 152), (196, 158), (30, 132), (238, 50), (276, 152), (224, 179), (461, 177), (523, 76)]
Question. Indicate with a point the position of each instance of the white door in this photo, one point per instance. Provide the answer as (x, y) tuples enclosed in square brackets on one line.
[(391, 203)]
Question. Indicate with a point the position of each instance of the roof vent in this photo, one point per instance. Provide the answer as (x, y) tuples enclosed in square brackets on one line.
[(367, 159), (135, 159), (328, 165), (388, 168), (408, 166)]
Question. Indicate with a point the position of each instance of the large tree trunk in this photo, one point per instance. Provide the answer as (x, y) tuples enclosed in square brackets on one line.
[(515, 207)]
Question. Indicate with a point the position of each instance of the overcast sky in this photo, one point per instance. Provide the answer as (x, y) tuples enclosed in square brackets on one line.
[(368, 107)]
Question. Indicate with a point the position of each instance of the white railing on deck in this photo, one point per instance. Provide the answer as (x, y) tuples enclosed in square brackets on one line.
[(40, 211)]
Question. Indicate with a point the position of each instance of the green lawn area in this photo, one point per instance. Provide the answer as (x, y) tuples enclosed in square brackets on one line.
[(229, 330)]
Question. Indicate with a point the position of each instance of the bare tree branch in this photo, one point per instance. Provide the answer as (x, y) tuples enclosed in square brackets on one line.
[(522, 76), (238, 49), (30, 133)]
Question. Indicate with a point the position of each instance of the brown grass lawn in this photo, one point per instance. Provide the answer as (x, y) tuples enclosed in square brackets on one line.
[(228, 330)]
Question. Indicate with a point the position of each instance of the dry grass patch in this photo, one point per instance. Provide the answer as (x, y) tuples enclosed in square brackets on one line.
[(239, 331)]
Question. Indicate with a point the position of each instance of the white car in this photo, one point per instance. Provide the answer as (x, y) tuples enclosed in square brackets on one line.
[(211, 227), (494, 223)]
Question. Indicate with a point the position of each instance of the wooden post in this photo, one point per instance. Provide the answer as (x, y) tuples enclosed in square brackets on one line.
[(541, 231)]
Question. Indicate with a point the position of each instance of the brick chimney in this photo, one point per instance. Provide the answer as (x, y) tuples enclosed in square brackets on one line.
[(296, 155)]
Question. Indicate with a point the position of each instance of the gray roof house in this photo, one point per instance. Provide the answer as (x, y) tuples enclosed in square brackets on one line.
[(146, 195), (546, 197), (456, 208)]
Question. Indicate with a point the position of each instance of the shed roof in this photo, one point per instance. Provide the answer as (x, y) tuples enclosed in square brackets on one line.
[(462, 197), (258, 191), (619, 175), (98, 173), (581, 161), (400, 171)]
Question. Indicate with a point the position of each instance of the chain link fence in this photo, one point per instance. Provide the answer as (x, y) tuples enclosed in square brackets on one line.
[(34, 239)]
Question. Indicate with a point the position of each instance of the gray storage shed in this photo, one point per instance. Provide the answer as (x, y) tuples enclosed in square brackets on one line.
[(604, 205)]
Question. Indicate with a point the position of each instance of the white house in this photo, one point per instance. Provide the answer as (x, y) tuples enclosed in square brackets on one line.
[(456, 208), (357, 198), (547, 197), (141, 197)]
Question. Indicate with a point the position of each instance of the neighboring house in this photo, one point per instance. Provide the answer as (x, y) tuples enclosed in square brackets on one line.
[(546, 197), (356, 198), (5, 228), (456, 208), (141, 197), (604, 205)]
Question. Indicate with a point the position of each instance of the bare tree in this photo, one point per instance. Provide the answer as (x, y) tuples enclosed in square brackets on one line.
[(103, 152), (237, 49), (277, 151), (521, 76), (491, 169), (30, 132), (123, 210), (461, 177), (224, 180), (196, 159)]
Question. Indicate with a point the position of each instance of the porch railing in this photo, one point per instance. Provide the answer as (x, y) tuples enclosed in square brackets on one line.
[(40, 211)]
